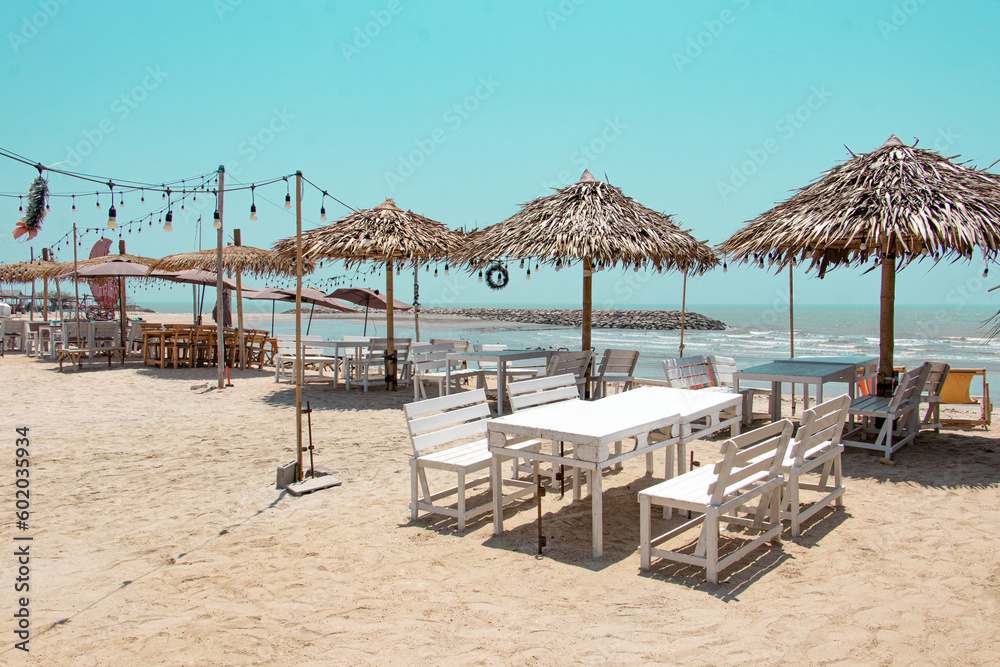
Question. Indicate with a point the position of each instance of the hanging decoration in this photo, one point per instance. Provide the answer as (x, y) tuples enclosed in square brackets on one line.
[(497, 276), (31, 223)]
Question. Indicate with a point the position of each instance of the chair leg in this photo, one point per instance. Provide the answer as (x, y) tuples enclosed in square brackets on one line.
[(793, 502), (414, 496), (645, 530), (711, 532), (461, 502), (838, 474)]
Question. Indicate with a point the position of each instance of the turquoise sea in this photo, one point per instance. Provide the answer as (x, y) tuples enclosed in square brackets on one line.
[(757, 333)]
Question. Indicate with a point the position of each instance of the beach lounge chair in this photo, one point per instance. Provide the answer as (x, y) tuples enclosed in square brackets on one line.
[(577, 363), (931, 395), (816, 444), (430, 365), (618, 367), (750, 469), (893, 420), (448, 433), (957, 391)]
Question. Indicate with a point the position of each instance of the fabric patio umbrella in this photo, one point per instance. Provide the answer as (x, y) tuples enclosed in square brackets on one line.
[(236, 260), (316, 297), (893, 205), (368, 298), (593, 222), (386, 234)]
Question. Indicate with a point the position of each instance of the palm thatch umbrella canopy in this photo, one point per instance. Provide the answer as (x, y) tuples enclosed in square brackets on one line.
[(385, 233), (893, 205), (593, 222), (26, 272)]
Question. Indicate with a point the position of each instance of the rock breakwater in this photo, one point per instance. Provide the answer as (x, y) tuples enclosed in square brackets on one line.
[(601, 319)]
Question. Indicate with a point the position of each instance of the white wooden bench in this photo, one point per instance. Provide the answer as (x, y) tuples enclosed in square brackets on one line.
[(448, 434), (750, 469)]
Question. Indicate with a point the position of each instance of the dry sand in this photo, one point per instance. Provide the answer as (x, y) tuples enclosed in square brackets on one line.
[(159, 538)]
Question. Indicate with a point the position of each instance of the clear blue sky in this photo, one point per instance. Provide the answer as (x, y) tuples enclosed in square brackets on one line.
[(462, 111)]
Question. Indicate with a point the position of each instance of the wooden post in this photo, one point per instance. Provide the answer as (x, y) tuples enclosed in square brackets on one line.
[(59, 300), (45, 289), (390, 348), (239, 308), (31, 309), (297, 368), (791, 329), (588, 279), (76, 280), (220, 314), (684, 294), (886, 325), (121, 298), (416, 302)]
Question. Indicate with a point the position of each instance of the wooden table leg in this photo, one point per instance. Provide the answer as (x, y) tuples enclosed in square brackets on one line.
[(597, 511)]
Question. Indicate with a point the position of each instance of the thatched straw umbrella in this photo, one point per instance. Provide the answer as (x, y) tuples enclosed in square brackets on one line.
[(893, 205), (385, 233), (236, 260), (593, 222)]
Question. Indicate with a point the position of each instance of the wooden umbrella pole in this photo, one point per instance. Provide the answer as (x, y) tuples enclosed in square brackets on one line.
[(45, 289), (588, 280), (220, 314), (390, 348), (886, 325), (297, 368), (239, 308), (59, 300), (121, 297), (31, 310), (684, 294), (791, 328), (76, 280), (416, 303)]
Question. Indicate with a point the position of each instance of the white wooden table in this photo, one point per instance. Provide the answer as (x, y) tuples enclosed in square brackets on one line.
[(501, 358), (677, 415), (808, 370)]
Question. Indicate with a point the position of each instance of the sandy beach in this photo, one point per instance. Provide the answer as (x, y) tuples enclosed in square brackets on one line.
[(159, 538)]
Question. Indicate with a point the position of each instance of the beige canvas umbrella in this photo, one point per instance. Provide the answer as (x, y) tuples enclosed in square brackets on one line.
[(237, 260), (368, 298), (386, 234), (595, 223), (885, 208)]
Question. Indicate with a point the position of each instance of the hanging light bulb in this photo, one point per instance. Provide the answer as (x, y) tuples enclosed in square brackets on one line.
[(480, 275), (558, 265), (435, 272), (522, 262), (288, 196), (427, 268), (253, 204), (217, 222), (142, 199), (112, 217), (446, 272), (725, 267), (397, 269), (528, 277), (98, 199), (167, 226), (20, 204), (322, 208), (74, 202), (986, 271)]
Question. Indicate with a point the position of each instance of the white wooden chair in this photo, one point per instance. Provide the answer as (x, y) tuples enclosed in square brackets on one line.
[(375, 359), (816, 444), (701, 372), (617, 367), (448, 433), (900, 415), (430, 365), (931, 395), (750, 469), (312, 357), (722, 370), (577, 363)]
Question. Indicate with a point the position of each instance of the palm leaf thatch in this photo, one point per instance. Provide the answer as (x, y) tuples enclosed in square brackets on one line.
[(897, 201), (240, 259), (25, 272), (56, 269), (383, 233), (589, 220)]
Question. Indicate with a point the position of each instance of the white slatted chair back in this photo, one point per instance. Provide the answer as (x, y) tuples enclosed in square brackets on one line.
[(911, 384), (620, 363), (106, 334), (820, 424), (750, 458), (431, 357), (694, 372), (722, 369), (536, 392), (447, 420), (457, 345), (356, 339), (75, 333), (577, 363), (935, 379), (286, 343)]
